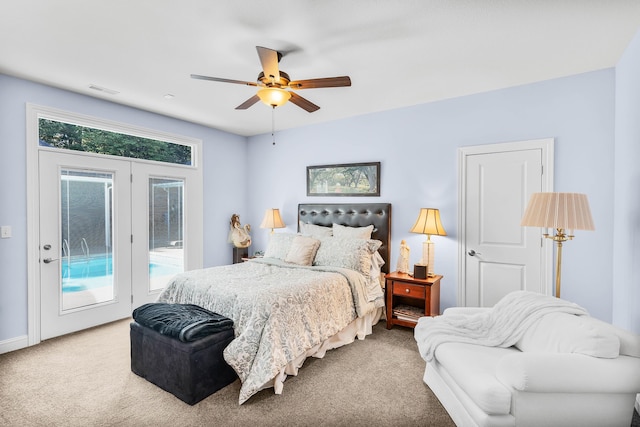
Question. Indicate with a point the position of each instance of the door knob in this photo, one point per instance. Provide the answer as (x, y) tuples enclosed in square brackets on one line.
[(48, 260), (473, 253)]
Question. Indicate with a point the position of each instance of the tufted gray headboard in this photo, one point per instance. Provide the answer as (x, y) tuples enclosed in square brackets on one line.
[(353, 215)]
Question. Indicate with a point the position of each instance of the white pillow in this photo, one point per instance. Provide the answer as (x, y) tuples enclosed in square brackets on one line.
[(629, 342), (568, 333), (352, 232), (315, 230), (354, 254), (279, 245), (303, 250)]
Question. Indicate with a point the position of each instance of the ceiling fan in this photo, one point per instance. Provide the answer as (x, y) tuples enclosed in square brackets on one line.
[(274, 84)]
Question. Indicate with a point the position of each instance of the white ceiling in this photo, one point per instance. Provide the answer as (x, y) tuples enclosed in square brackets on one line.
[(398, 53)]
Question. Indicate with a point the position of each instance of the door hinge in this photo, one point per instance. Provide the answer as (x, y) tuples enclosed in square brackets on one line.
[(131, 299), (132, 238), (131, 177)]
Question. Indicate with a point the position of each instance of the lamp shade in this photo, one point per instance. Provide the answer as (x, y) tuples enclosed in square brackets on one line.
[(428, 222), (272, 219), (274, 96), (569, 211)]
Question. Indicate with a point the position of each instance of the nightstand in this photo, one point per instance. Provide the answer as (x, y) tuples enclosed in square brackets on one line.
[(408, 298)]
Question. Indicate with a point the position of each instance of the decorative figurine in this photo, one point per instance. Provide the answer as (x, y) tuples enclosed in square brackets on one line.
[(403, 260), (239, 235)]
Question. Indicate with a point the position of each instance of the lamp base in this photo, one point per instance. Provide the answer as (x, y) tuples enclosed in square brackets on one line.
[(428, 255)]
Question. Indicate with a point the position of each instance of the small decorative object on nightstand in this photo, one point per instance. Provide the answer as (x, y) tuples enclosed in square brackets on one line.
[(403, 259), (409, 298)]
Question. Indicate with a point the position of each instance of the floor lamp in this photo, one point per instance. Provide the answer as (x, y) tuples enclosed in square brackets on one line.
[(428, 223), (563, 212)]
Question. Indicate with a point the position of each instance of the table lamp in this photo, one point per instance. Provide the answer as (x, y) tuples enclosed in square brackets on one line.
[(428, 223), (272, 219)]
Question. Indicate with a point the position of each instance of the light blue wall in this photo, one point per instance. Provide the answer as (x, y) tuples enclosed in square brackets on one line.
[(418, 146), (221, 168), (626, 265)]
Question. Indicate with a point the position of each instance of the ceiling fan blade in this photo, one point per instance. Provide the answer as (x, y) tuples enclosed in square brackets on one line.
[(303, 103), (269, 59), (324, 82), (248, 103), (218, 79)]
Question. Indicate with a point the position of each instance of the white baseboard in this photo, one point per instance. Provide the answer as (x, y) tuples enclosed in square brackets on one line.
[(14, 344), (637, 405)]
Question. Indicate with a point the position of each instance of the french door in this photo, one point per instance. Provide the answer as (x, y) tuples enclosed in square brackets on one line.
[(112, 233)]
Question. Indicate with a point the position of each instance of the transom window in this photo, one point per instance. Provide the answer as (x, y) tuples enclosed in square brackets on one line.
[(67, 136)]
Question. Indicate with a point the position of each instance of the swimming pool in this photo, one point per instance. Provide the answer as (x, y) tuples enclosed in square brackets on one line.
[(80, 274)]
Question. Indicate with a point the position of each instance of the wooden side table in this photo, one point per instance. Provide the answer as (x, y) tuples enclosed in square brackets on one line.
[(408, 298), (239, 253)]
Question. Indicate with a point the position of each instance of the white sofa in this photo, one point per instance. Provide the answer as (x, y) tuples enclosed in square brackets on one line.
[(565, 370)]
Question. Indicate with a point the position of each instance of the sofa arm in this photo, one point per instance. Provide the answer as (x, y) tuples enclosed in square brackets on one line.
[(569, 372)]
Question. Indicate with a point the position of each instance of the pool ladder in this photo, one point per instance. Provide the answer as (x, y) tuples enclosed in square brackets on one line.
[(66, 253), (85, 248)]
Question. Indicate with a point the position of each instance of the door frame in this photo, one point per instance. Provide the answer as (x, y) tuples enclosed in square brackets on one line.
[(546, 145), (33, 113)]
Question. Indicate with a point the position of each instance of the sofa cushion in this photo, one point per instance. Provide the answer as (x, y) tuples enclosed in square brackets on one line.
[(568, 333), (473, 368)]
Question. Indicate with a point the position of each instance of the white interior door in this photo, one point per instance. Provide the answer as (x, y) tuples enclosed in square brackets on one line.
[(85, 250), (498, 255)]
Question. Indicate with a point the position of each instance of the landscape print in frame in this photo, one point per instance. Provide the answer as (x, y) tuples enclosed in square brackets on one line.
[(352, 179)]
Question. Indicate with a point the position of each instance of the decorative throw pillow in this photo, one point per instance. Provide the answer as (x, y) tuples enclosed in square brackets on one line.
[(315, 230), (303, 250), (629, 342), (569, 333), (354, 254), (352, 232), (279, 245)]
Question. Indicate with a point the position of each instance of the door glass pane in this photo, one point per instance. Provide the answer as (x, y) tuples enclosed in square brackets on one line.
[(87, 236), (166, 227)]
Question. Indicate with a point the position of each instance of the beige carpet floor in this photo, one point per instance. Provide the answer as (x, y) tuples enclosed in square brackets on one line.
[(84, 379)]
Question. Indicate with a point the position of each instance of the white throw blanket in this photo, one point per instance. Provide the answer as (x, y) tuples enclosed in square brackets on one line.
[(501, 326)]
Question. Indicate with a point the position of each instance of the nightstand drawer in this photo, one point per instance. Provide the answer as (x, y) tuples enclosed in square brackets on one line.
[(408, 290)]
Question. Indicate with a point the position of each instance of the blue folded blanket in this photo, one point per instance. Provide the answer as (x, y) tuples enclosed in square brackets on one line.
[(186, 322)]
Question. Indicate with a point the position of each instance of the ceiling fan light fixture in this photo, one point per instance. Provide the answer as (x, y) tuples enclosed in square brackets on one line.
[(273, 96)]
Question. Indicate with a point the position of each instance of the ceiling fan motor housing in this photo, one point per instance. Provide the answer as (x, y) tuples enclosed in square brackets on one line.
[(269, 80)]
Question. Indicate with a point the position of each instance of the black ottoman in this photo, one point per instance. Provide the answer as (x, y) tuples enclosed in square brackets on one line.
[(190, 371)]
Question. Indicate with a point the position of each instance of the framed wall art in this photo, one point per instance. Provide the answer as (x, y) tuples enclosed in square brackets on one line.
[(352, 179)]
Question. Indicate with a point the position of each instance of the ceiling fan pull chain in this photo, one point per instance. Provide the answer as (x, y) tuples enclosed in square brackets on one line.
[(273, 124)]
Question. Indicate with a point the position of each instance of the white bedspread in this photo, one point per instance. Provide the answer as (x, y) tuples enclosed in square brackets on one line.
[(279, 311), (501, 326)]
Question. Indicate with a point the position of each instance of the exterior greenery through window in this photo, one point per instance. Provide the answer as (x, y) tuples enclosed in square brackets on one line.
[(80, 138)]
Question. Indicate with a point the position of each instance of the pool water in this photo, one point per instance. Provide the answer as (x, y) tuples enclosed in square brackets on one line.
[(82, 274)]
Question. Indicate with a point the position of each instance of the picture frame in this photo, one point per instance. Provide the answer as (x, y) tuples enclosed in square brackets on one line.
[(344, 180)]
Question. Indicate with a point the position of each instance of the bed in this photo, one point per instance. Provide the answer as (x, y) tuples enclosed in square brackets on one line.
[(285, 310)]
